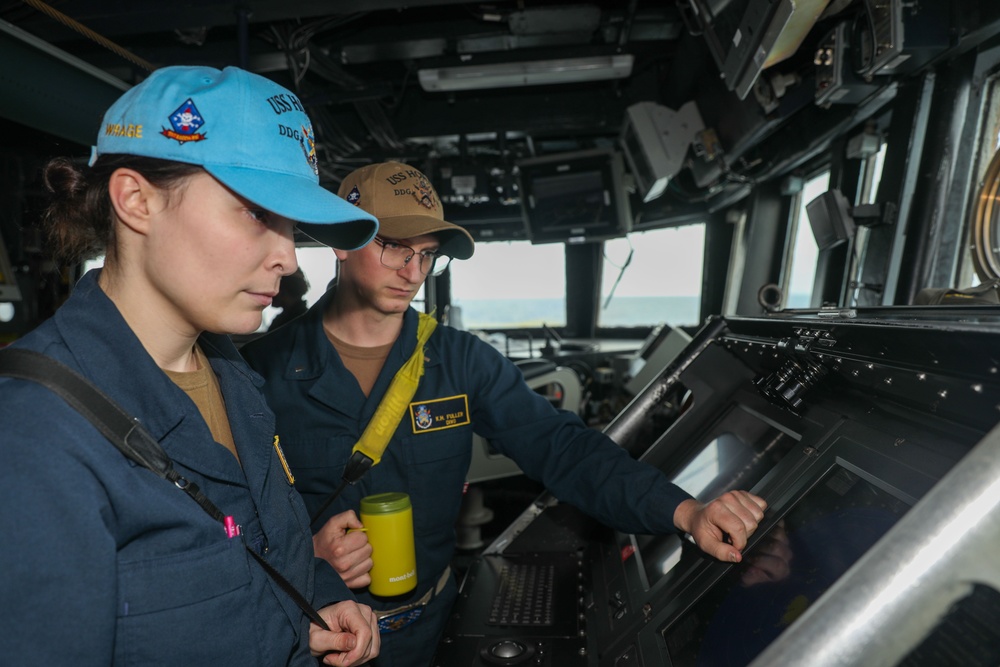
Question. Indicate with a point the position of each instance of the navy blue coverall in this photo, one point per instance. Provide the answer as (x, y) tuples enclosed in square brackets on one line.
[(104, 563), (467, 387)]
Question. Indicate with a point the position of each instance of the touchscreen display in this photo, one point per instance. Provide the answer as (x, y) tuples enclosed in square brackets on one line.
[(794, 563), (741, 450)]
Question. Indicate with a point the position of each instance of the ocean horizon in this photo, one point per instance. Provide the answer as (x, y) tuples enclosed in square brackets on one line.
[(621, 312)]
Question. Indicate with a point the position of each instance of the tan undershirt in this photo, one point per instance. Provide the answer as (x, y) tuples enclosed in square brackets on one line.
[(203, 388), (364, 363)]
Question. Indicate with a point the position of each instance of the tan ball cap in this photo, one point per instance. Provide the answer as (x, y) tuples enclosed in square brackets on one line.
[(406, 205)]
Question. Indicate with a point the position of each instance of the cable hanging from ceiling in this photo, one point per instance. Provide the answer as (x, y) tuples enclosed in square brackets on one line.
[(90, 34), (304, 57)]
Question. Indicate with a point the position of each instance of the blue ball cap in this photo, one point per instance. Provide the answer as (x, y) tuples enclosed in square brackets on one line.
[(245, 130)]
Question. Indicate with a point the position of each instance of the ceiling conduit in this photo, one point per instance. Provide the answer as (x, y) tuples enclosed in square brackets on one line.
[(47, 89)]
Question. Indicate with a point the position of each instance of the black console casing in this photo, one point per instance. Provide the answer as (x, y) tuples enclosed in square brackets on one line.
[(841, 421)]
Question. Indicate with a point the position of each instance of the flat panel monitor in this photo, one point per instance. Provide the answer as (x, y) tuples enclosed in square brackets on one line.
[(655, 140), (747, 36), (830, 219), (815, 541), (660, 348), (735, 454), (574, 197)]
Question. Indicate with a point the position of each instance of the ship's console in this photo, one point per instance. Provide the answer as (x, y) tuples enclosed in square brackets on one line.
[(871, 436)]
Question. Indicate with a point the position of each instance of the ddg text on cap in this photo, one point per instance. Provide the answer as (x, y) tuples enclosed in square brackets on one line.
[(245, 130), (406, 205)]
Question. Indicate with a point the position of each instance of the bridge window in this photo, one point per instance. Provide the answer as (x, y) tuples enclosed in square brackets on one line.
[(652, 277), (980, 261), (511, 285), (871, 176), (804, 252)]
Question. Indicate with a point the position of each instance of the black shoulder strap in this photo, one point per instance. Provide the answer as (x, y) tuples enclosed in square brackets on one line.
[(117, 426), (129, 436)]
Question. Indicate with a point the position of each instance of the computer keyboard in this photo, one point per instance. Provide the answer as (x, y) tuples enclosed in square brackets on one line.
[(523, 596)]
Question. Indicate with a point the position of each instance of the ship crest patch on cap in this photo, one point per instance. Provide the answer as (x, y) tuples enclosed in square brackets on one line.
[(308, 144), (186, 120), (354, 197), (423, 193)]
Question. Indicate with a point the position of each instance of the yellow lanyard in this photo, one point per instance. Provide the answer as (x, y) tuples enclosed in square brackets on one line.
[(393, 405)]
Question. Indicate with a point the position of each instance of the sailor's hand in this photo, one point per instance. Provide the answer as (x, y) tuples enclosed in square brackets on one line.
[(353, 636), (721, 528), (343, 543)]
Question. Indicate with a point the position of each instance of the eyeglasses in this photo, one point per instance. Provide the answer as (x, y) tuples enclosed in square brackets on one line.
[(397, 256)]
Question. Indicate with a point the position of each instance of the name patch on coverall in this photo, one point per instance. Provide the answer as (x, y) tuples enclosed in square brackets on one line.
[(441, 413)]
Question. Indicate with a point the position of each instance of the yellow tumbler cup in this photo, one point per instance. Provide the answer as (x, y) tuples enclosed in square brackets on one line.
[(388, 520)]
